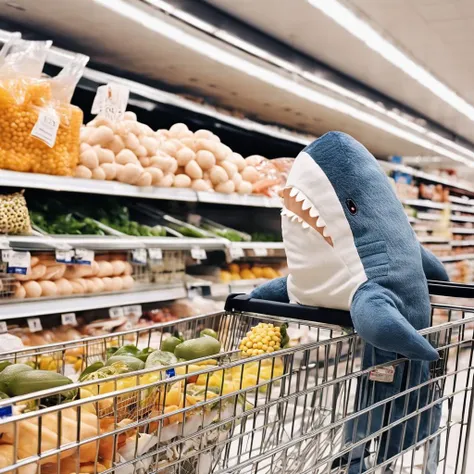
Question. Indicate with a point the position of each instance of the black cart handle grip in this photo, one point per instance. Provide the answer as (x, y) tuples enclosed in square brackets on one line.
[(243, 303), (454, 290)]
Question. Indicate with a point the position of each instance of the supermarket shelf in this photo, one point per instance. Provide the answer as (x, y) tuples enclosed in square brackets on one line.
[(461, 230), (259, 245), (456, 258), (461, 218), (462, 243), (462, 201), (23, 309), (67, 242), (424, 203), (238, 199), (433, 240), (427, 216)]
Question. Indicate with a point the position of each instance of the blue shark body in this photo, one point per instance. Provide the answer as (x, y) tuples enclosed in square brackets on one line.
[(350, 246)]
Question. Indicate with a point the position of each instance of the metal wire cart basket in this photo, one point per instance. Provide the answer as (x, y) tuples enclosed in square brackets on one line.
[(310, 408)]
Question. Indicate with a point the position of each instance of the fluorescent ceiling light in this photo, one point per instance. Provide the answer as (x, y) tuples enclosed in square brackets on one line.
[(374, 40), (235, 61)]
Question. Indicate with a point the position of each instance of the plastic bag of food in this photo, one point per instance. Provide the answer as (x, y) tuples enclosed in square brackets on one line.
[(270, 179), (14, 216), (39, 128)]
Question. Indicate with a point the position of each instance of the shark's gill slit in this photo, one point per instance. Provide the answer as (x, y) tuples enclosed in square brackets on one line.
[(299, 208)]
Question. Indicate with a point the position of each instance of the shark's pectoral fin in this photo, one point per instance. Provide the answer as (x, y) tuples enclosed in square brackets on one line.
[(378, 322), (433, 268), (274, 290)]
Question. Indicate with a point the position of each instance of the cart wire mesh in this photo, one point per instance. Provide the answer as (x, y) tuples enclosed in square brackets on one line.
[(310, 408)]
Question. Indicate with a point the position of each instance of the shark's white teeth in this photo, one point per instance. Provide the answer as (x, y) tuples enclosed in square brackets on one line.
[(325, 232), (306, 205), (313, 212), (300, 196), (320, 222), (294, 217), (299, 219), (293, 192), (305, 225)]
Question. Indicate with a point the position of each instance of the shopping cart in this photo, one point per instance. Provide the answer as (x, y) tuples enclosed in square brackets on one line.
[(298, 410)]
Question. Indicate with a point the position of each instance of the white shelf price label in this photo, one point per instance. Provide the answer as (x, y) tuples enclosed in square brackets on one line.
[(34, 324), (139, 256), (116, 312), (3, 327), (198, 253), (46, 127), (134, 311), (69, 319), (4, 244), (18, 262), (236, 252), (64, 256), (155, 254), (260, 252), (83, 256), (111, 101)]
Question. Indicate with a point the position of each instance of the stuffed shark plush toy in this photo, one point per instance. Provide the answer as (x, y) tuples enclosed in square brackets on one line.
[(349, 246)]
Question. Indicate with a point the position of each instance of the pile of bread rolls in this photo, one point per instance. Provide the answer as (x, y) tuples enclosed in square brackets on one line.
[(46, 277), (131, 152)]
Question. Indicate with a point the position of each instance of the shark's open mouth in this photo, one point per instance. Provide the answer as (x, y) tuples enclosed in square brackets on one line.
[(299, 208)]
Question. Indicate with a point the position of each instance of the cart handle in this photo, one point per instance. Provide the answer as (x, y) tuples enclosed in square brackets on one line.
[(246, 304), (454, 290)]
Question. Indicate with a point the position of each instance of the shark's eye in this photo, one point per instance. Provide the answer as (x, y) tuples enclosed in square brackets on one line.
[(351, 206)]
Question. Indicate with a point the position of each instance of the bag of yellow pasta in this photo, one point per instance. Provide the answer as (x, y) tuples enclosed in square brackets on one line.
[(39, 128)]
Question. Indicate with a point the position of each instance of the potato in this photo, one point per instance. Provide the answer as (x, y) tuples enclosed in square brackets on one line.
[(105, 155), (19, 291), (167, 181), (182, 181), (98, 173), (230, 168), (94, 268), (218, 175), (101, 120), (130, 116), (178, 129), (238, 160), (89, 159), (129, 173), (34, 273), (64, 288), (151, 144), (144, 129), (48, 288), (55, 272), (76, 271), (116, 145), (126, 156), (127, 282), (99, 285), (215, 138), (205, 159), (227, 188), (32, 289), (110, 170), (108, 284), (117, 283), (189, 142), (128, 268), (105, 269), (84, 136), (164, 162), (245, 188), (170, 147), (237, 179), (145, 161), (205, 144), (141, 151), (254, 160), (163, 133), (193, 170), (78, 288), (144, 179), (34, 261), (250, 174), (118, 267), (200, 185), (84, 146), (202, 133), (101, 136), (131, 141), (82, 172), (90, 286), (184, 156), (156, 174)]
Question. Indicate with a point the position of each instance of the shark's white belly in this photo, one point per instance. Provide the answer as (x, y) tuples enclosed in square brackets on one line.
[(318, 275)]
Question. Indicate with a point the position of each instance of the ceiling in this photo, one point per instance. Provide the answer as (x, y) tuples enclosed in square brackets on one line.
[(437, 34), (95, 30)]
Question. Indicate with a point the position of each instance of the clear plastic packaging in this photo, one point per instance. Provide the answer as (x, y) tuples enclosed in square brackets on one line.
[(39, 128)]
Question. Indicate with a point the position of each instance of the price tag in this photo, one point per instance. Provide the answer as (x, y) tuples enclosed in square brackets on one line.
[(6, 412), (83, 256), (133, 312), (139, 256), (111, 101), (46, 127), (127, 326), (260, 251), (155, 254), (4, 244), (116, 312), (170, 373), (18, 262), (236, 252), (198, 254), (69, 319), (35, 324), (382, 374), (3, 327), (64, 256)]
